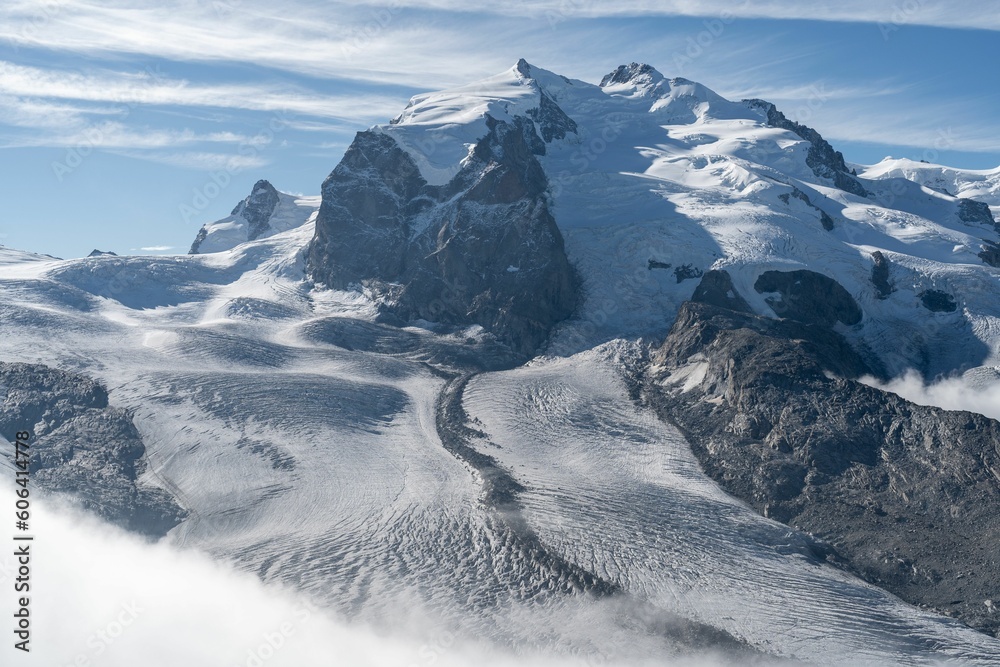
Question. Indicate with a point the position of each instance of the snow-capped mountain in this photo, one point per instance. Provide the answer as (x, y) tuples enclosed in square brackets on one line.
[(265, 212), (980, 185), (555, 365), (651, 182)]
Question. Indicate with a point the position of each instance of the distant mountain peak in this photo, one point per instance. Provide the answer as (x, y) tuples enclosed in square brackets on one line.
[(636, 73), (264, 212), (257, 208), (523, 67)]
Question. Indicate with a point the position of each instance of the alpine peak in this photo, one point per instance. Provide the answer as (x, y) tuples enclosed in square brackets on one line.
[(635, 73)]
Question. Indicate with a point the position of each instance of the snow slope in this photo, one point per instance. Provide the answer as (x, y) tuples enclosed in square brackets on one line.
[(319, 465), (291, 211), (666, 172), (982, 185)]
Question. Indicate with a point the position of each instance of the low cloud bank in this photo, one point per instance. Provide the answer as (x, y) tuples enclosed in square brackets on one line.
[(975, 391), (100, 597)]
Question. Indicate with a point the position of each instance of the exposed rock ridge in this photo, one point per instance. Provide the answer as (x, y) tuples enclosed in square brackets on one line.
[(483, 249), (908, 495), (824, 161)]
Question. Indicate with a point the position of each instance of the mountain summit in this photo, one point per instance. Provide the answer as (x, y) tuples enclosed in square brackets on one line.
[(621, 195)]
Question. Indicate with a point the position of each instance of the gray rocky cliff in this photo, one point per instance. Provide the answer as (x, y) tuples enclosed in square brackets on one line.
[(83, 447), (483, 249), (824, 161), (908, 496)]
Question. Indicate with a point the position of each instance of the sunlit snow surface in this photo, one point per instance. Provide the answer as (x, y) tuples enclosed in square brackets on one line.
[(305, 459), (320, 467), (666, 170)]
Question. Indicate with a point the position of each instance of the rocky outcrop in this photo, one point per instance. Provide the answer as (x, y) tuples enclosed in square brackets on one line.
[(256, 211), (82, 447), (808, 297), (880, 275), (483, 249), (257, 208), (990, 253), (824, 217), (937, 301), (629, 73), (824, 161), (976, 213), (552, 121), (908, 496)]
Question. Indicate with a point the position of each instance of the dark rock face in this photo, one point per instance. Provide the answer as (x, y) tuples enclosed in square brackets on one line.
[(809, 297), (553, 123), (687, 272), (82, 447), (880, 275), (102, 253), (907, 496), (483, 249), (937, 301), (627, 73), (717, 289), (824, 217), (976, 212), (990, 253), (824, 161), (256, 209)]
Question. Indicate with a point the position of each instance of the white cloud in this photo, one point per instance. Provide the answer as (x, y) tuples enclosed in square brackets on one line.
[(367, 44), (976, 391), (113, 134), (201, 160), (101, 597), (975, 14), (150, 87), (156, 248)]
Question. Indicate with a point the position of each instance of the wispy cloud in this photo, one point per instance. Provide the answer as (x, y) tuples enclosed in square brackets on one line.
[(976, 14), (149, 87), (112, 134), (201, 160)]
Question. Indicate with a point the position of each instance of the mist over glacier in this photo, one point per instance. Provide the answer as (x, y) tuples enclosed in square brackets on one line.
[(107, 598)]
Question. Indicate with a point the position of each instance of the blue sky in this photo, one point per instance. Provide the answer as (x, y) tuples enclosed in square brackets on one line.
[(126, 125)]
